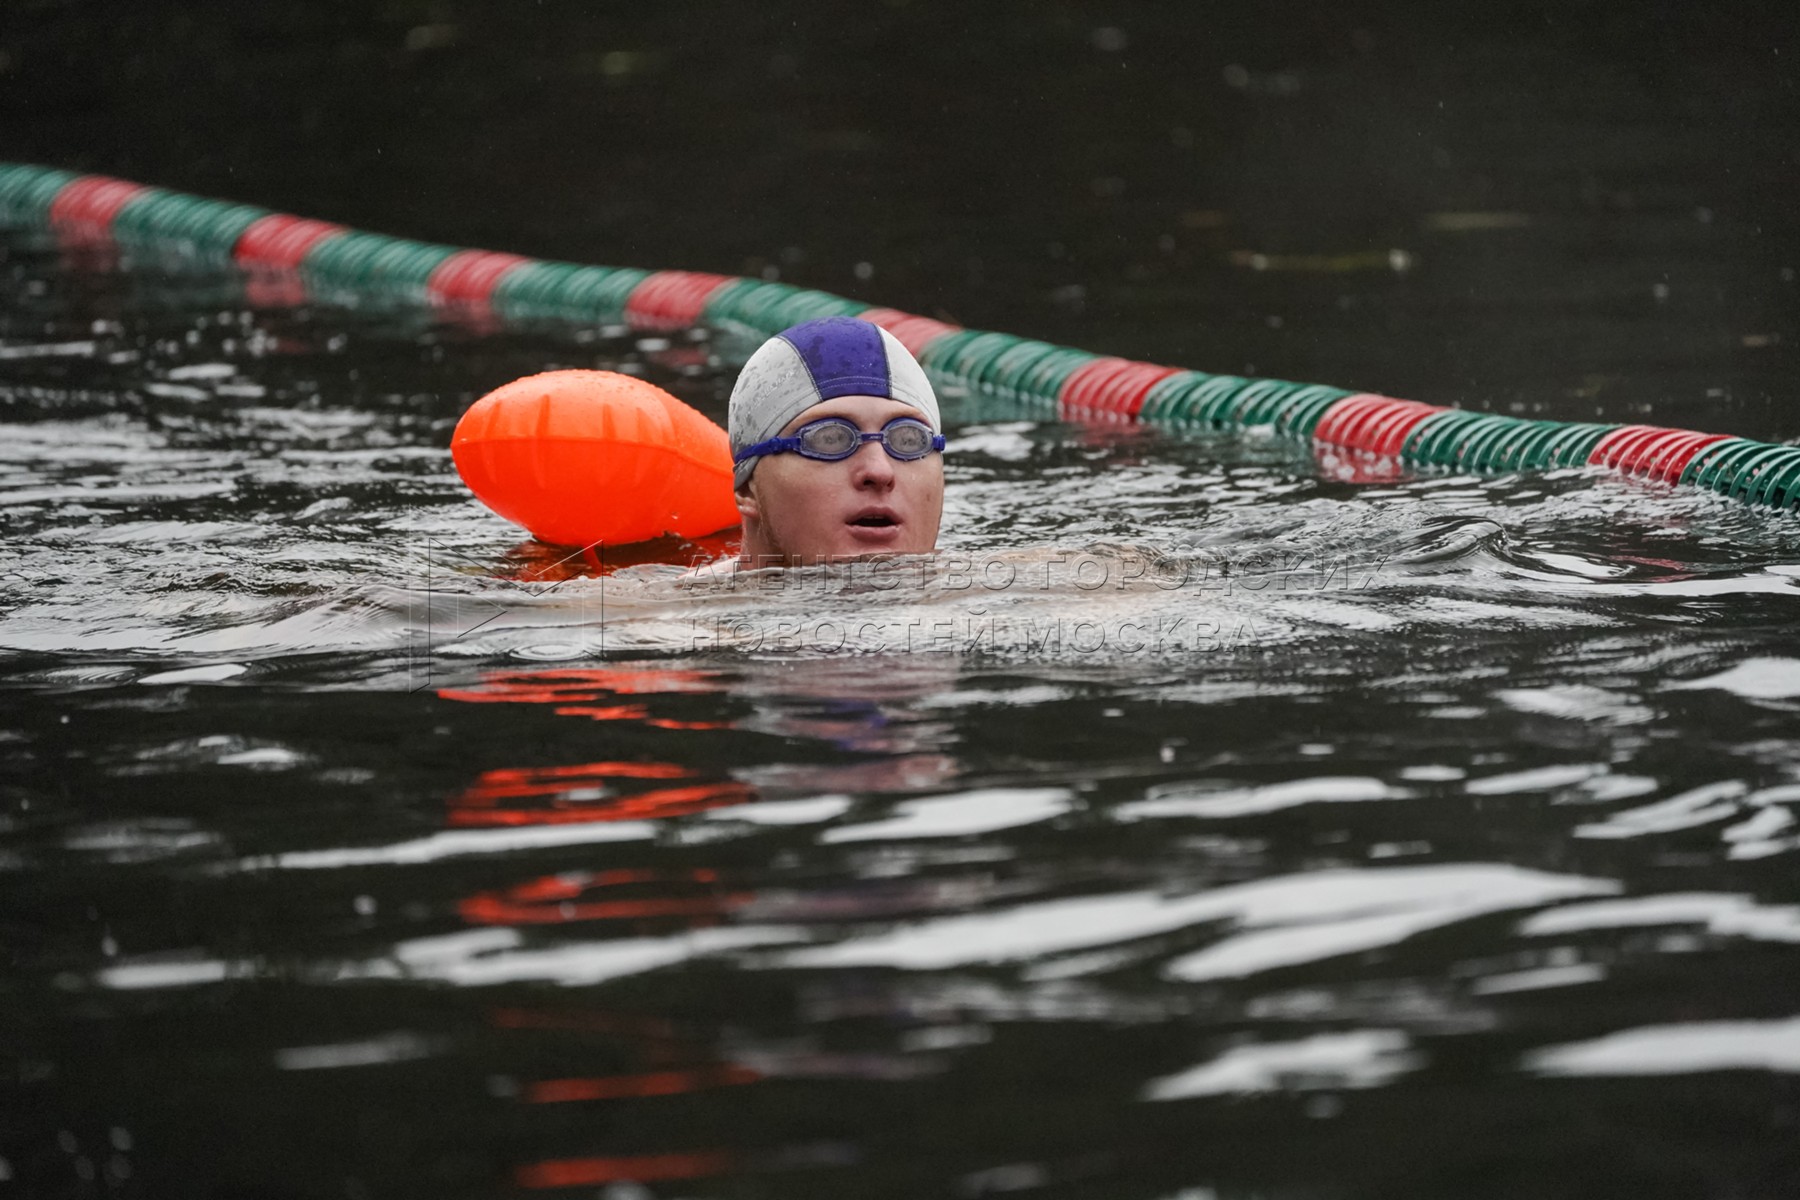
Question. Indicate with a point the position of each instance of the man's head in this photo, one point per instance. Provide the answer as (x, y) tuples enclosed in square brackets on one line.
[(797, 407)]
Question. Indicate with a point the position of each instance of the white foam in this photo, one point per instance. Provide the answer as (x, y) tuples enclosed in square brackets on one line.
[(1724, 915), (1023, 697), (151, 974), (1576, 565), (585, 963), (389, 1048), (1538, 779), (1755, 837), (1340, 614), (261, 756), (1364, 1058), (1393, 901), (1753, 679), (1603, 789), (1167, 802), (1432, 773), (967, 813), (1765, 824), (211, 370), (1674, 908), (458, 842), (1698, 806), (1761, 848), (212, 674), (784, 812), (1251, 953), (1427, 898), (1579, 702), (142, 495), (1735, 585), (1538, 979), (1678, 1050), (1445, 610)]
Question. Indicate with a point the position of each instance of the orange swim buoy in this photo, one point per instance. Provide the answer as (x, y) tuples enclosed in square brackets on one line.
[(579, 457)]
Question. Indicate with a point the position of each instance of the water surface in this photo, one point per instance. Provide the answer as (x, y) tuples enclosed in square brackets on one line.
[(1200, 823)]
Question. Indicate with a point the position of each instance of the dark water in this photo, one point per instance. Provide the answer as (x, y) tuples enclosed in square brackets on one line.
[(1193, 827)]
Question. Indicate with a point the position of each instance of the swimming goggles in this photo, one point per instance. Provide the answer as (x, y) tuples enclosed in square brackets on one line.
[(832, 439)]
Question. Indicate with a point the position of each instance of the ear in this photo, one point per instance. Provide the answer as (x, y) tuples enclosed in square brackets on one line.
[(748, 509)]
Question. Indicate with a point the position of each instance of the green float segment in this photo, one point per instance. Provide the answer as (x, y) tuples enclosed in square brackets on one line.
[(1489, 443), (761, 307), (562, 291), (1028, 371), (26, 193), (335, 261), (1201, 401), (204, 229), (1755, 472), (363, 264)]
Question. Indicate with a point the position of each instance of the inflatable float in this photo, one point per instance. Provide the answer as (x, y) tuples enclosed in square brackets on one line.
[(579, 457)]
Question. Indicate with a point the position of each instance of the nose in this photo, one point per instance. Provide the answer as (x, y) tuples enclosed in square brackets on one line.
[(871, 468)]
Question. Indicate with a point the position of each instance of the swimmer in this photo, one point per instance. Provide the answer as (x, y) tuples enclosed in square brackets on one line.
[(838, 447)]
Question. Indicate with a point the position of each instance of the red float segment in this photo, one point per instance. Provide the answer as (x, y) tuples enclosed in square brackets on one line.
[(470, 276), (672, 299), (91, 202), (1651, 450), (1109, 385), (915, 333), (280, 242), (1376, 424)]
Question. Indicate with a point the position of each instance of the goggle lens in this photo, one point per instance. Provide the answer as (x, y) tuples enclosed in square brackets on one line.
[(908, 439), (830, 439)]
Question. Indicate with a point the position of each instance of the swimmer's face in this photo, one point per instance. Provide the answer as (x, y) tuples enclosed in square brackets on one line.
[(800, 511)]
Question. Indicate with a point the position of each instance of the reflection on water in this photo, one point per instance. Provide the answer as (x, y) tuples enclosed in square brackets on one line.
[(1195, 824)]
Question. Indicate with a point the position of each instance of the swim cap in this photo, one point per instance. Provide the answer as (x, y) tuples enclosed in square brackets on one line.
[(817, 361)]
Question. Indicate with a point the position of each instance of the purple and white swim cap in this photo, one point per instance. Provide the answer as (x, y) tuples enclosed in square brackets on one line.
[(818, 361)]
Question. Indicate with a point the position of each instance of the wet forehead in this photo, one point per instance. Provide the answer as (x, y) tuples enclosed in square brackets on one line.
[(869, 413)]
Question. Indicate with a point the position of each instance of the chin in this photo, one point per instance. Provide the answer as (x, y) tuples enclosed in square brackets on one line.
[(882, 542), (841, 543)]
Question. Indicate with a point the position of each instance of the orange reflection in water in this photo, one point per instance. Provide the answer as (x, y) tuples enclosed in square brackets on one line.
[(675, 1062), (670, 1064), (573, 685), (586, 1172), (555, 899), (583, 792), (580, 691), (543, 781), (652, 1083)]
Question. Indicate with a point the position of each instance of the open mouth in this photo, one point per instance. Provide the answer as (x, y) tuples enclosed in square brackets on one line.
[(874, 521)]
